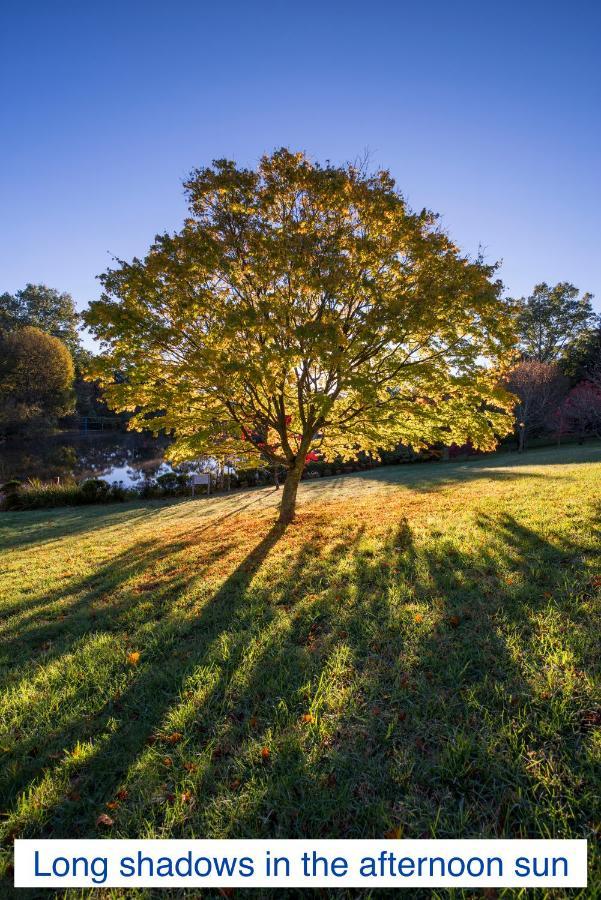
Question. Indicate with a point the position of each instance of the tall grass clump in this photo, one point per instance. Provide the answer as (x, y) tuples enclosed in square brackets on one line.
[(37, 494)]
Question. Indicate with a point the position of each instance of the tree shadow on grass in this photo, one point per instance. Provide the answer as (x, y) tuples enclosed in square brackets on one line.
[(398, 688), (446, 729), (19, 529), (174, 646)]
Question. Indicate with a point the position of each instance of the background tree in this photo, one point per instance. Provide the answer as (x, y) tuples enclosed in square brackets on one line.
[(583, 356), (580, 412), (36, 379), (9, 313), (303, 311), (539, 388), (551, 318), (44, 308)]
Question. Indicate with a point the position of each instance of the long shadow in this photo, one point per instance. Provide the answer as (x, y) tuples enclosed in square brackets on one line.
[(179, 646), (427, 741), (428, 724), (19, 529)]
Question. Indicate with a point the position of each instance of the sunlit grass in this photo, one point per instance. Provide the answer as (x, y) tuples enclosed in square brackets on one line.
[(418, 654)]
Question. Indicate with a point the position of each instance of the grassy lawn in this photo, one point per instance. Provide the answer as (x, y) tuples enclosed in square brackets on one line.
[(417, 656)]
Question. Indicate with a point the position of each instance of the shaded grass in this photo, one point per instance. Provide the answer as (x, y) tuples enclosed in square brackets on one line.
[(419, 654)]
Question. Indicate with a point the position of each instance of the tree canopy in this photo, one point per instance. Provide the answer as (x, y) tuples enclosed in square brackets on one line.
[(304, 311), (44, 308), (36, 378), (551, 319)]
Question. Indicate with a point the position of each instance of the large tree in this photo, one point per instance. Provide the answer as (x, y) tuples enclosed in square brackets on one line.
[(44, 308), (580, 412), (36, 379), (304, 311), (551, 318)]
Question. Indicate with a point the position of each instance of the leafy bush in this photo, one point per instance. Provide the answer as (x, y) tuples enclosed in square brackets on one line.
[(95, 490), (171, 483), (11, 487)]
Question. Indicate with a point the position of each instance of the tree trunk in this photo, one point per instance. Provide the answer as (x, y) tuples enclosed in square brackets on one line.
[(288, 504), (521, 439)]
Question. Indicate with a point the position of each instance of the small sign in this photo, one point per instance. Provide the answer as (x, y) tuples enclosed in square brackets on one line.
[(201, 478)]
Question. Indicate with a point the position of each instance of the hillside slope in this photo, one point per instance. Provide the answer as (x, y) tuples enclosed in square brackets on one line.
[(418, 655)]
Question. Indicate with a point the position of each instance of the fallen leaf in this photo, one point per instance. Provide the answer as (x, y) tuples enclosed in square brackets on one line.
[(122, 794), (133, 658), (186, 796), (253, 722), (103, 819), (454, 621), (174, 737), (235, 784), (112, 804), (418, 618), (167, 761), (396, 832), (190, 767), (265, 753), (308, 719)]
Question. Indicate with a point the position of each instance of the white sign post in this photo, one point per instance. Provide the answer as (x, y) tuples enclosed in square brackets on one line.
[(201, 478)]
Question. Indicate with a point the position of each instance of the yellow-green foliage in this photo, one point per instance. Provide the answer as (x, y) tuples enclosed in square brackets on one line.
[(36, 376), (304, 308)]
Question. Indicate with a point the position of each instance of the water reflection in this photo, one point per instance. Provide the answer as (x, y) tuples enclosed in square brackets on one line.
[(129, 459)]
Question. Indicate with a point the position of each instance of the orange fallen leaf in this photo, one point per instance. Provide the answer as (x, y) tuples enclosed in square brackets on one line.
[(174, 737), (308, 719), (112, 804), (190, 767), (122, 794), (418, 618), (265, 753), (395, 832), (103, 819), (235, 784), (133, 658), (186, 796), (253, 722)]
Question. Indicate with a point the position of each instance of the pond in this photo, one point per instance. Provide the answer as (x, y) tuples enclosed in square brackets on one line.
[(129, 459)]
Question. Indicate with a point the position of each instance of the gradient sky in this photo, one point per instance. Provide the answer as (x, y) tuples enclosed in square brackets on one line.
[(488, 113)]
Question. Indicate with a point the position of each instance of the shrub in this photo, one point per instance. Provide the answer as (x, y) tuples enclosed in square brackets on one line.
[(11, 487), (171, 483), (95, 490)]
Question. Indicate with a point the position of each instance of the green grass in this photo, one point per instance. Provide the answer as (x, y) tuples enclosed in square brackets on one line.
[(419, 654)]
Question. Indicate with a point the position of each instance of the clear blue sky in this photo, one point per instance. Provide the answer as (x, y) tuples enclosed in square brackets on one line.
[(488, 113)]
